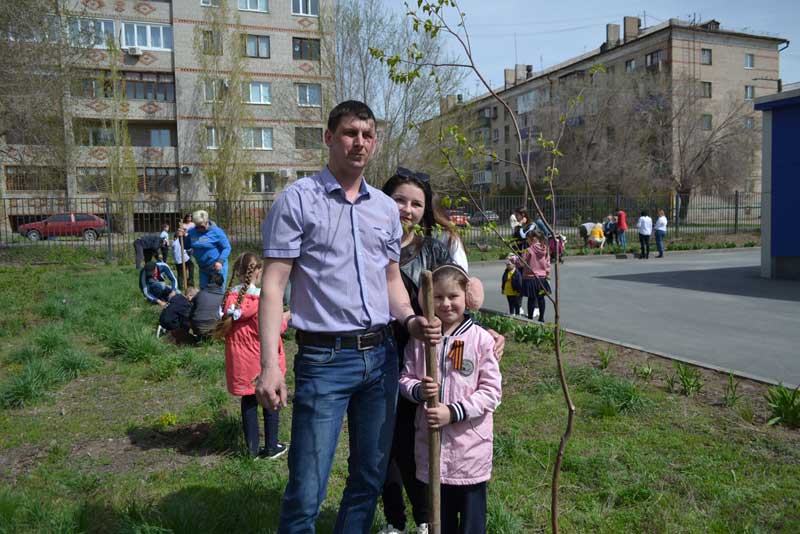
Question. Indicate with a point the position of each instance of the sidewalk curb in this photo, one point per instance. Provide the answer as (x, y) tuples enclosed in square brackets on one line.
[(631, 256)]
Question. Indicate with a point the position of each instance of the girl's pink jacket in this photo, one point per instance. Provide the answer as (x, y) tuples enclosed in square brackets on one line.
[(536, 261), (242, 349), (475, 389)]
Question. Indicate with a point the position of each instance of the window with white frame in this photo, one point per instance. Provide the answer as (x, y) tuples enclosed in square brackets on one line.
[(706, 121), (305, 48), (257, 138), (214, 89), (209, 3), (706, 89), (705, 56), (749, 92), (86, 32), (262, 182), (212, 43), (749, 61), (213, 137), (654, 58), (150, 36), (254, 5), (257, 92), (305, 7), (309, 95), (256, 46), (630, 65)]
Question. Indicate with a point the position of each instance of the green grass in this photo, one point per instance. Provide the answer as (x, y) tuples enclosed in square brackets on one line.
[(119, 432)]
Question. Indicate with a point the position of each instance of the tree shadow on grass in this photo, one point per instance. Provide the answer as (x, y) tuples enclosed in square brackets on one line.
[(191, 439), (253, 507)]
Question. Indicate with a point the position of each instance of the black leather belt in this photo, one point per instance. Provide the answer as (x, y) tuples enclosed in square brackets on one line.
[(364, 341)]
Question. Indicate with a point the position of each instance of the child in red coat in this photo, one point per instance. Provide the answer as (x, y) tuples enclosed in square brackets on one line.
[(239, 327)]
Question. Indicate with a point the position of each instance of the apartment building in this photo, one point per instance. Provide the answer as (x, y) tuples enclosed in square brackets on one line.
[(164, 47), (725, 65)]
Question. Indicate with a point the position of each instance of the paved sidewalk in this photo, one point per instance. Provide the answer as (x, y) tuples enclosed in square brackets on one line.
[(708, 307)]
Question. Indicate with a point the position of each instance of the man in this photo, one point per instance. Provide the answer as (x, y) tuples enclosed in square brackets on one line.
[(338, 239), (148, 247)]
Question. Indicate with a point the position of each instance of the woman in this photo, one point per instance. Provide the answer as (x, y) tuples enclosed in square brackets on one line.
[(660, 230), (421, 250), (210, 248), (526, 224)]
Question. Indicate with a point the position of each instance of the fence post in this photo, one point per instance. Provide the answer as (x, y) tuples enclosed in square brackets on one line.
[(736, 213), (677, 213), (108, 232)]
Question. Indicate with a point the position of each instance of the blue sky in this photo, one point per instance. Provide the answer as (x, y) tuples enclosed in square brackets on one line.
[(550, 32)]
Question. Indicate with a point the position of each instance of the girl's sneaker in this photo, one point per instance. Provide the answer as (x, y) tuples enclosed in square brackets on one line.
[(389, 529), (422, 529), (273, 452)]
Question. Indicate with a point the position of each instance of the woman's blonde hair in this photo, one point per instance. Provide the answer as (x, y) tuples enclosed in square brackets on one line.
[(200, 216), (244, 268)]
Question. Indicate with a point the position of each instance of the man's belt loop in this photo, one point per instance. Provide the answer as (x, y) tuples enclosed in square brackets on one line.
[(338, 346)]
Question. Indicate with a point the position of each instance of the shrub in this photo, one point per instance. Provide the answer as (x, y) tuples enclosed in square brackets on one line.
[(689, 377), (731, 397), (784, 405), (750, 244), (605, 355), (163, 367), (31, 384), (73, 363), (530, 333), (50, 338), (499, 323), (24, 355), (133, 345), (644, 371)]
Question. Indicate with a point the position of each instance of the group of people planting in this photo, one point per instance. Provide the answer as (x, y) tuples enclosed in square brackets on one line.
[(355, 257)]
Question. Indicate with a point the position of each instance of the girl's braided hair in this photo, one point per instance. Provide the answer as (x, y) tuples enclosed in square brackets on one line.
[(243, 269)]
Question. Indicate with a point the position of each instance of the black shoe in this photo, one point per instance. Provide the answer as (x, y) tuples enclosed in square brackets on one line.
[(273, 452), (660, 256)]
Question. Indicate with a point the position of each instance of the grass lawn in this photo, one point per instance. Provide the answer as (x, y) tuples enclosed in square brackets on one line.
[(103, 428)]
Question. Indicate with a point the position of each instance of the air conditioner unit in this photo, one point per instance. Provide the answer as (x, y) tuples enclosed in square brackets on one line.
[(186, 170), (134, 51)]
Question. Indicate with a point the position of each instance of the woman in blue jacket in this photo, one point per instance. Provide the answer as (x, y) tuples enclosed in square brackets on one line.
[(210, 248)]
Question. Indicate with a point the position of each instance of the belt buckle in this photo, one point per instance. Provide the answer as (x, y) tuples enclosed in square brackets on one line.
[(359, 345), (367, 341)]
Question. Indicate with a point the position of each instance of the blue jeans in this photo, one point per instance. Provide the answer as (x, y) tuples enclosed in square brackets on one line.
[(622, 240), (328, 384), (660, 241)]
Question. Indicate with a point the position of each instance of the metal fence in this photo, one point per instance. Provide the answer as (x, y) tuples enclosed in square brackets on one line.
[(48, 228)]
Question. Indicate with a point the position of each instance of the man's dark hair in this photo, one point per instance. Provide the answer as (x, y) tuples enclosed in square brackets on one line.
[(216, 279), (349, 107)]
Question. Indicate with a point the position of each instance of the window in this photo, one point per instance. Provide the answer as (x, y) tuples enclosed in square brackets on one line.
[(86, 32), (749, 61), (705, 56), (706, 89), (262, 182), (209, 3), (307, 137), (256, 46), (705, 121), (157, 179), (305, 7), (305, 48), (630, 65), (304, 174), (95, 135), (309, 94), (258, 138), (495, 135), (254, 5), (213, 137), (506, 131), (147, 86), (507, 156), (749, 92), (749, 123), (654, 58), (30, 178), (152, 36), (214, 89), (212, 43), (98, 86), (257, 92), (160, 137), (93, 179)]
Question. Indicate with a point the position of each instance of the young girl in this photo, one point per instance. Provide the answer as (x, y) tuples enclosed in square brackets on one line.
[(536, 270), (510, 284), (471, 391), (239, 328)]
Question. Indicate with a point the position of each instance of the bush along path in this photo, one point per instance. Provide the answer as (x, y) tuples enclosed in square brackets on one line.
[(127, 433)]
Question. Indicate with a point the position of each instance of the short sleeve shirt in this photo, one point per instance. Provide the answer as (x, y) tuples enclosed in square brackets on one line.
[(340, 250)]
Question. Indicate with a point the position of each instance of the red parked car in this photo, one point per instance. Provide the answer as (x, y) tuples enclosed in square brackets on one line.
[(64, 224), (459, 218)]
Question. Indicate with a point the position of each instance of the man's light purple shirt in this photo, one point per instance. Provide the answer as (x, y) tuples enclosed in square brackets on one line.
[(340, 252)]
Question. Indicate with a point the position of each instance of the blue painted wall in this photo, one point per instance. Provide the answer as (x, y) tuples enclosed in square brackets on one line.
[(786, 180)]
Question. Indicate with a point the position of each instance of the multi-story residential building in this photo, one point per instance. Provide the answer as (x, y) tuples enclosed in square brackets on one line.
[(162, 62), (722, 66)]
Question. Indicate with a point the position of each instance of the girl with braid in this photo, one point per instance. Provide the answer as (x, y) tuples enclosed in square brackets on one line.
[(239, 328)]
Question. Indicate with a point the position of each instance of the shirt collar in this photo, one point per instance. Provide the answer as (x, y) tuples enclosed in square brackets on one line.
[(330, 183)]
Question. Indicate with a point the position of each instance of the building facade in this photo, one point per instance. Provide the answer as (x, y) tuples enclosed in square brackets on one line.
[(723, 67), (163, 88)]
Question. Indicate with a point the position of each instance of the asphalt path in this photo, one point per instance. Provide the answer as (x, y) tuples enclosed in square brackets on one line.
[(710, 308)]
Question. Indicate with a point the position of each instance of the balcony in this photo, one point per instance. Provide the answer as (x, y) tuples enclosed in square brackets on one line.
[(482, 178), (102, 108), (145, 156)]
